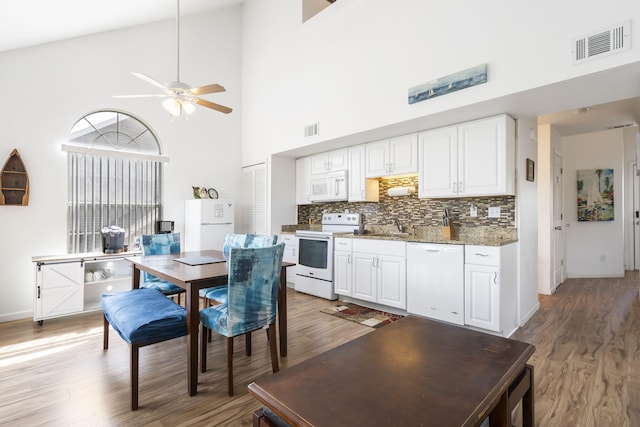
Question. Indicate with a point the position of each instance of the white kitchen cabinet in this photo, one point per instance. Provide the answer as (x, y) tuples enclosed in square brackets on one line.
[(435, 281), (490, 288), (72, 284), (329, 161), (379, 272), (361, 189), (470, 159), (303, 180), (342, 266), (290, 255), (396, 156)]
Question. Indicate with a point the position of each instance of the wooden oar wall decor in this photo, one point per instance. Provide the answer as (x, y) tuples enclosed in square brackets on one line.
[(14, 181)]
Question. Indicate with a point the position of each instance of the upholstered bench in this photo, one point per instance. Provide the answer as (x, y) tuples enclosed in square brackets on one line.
[(142, 317)]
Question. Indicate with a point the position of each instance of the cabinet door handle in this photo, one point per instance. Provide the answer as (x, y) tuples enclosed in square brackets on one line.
[(495, 277), (454, 188), (479, 254), (349, 259), (461, 186), (38, 292)]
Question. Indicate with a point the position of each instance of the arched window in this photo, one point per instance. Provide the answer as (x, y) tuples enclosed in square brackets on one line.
[(114, 178)]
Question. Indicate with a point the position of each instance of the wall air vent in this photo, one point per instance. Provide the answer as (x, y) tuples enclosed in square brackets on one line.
[(612, 40), (311, 130)]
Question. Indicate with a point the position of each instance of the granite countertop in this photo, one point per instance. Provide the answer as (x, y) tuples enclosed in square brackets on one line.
[(481, 236)]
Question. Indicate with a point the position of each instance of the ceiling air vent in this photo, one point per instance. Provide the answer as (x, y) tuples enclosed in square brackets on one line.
[(311, 130), (612, 40)]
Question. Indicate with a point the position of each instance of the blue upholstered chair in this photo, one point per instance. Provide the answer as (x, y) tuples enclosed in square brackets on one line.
[(252, 290), (142, 317), (161, 244), (218, 294)]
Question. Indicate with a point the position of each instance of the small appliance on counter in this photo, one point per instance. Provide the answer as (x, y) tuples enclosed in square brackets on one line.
[(112, 239), (164, 227)]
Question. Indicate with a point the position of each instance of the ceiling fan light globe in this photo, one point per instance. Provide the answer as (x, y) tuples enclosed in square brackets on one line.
[(173, 106), (188, 107)]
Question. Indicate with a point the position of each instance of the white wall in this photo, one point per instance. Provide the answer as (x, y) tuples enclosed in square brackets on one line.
[(349, 67), (527, 220), (594, 249), (48, 88)]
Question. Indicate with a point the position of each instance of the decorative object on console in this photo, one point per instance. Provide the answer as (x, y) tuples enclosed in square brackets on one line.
[(15, 182), (447, 84), (363, 315)]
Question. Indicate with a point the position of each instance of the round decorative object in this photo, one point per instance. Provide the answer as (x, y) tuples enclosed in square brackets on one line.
[(203, 193), (213, 194)]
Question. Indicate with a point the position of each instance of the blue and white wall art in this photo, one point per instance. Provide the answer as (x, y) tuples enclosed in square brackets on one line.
[(451, 83)]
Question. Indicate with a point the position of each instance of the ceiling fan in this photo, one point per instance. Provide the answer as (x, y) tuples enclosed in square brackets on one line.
[(180, 96)]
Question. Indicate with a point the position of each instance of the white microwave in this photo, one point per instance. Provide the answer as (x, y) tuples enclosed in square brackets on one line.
[(329, 187)]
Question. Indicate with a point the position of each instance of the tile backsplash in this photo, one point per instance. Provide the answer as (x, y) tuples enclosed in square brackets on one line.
[(410, 210)]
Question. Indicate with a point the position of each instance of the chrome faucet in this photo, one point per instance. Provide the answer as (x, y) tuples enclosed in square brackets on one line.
[(397, 224)]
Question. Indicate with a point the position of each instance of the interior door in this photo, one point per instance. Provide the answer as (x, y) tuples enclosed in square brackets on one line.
[(636, 218), (559, 268)]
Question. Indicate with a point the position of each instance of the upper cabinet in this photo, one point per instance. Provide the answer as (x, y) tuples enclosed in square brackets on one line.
[(396, 156), (470, 159), (361, 189), (330, 161), (303, 184)]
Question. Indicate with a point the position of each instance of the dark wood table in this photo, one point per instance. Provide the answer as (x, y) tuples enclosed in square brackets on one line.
[(196, 277), (413, 372)]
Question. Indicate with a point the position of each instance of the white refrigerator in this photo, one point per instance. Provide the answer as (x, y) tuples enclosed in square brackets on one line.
[(206, 222)]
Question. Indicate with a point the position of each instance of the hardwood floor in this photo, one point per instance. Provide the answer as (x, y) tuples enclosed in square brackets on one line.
[(587, 359), (587, 365)]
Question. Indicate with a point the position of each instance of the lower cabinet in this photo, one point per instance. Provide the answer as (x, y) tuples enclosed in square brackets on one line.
[(74, 284), (290, 255), (490, 288), (373, 270)]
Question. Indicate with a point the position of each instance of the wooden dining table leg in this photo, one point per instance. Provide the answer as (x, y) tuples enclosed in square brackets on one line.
[(193, 318), (282, 312)]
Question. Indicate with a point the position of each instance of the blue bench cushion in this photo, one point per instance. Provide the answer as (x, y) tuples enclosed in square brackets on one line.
[(144, 316)]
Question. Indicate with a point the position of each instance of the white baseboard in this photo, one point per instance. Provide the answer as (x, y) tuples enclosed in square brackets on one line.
[(16, 316), (530, 314)]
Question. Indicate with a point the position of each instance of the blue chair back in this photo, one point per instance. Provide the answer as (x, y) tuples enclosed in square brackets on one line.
[(159, 244), (258, 241), (254, 277), (237, 240)]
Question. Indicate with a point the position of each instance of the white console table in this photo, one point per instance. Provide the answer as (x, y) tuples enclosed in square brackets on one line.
[(74, 283)]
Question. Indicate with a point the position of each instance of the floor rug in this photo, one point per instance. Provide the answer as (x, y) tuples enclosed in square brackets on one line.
[(363, 315)]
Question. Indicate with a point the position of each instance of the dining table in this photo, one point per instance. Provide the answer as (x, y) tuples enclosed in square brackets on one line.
[(192, 278), (413, 372)]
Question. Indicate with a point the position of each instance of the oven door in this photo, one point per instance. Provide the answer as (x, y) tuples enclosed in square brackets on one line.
[(315, 256)]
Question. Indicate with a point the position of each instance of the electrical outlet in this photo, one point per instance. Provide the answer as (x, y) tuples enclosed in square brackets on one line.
[(473, 211), (494, 212)]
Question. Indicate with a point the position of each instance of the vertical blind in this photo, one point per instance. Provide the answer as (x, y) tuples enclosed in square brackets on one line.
[(105, 190)]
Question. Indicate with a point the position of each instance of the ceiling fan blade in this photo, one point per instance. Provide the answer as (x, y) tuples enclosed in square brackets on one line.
[(212, 105), (150, 80), (202, 90), (159, 95)]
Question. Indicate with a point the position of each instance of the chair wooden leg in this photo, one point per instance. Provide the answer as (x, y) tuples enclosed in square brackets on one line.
[(230, 365), (105, 334), (247, 340), (203, 348), (273, 347), (134, 376)]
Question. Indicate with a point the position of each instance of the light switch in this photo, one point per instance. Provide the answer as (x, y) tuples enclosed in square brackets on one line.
[(494, 212)]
